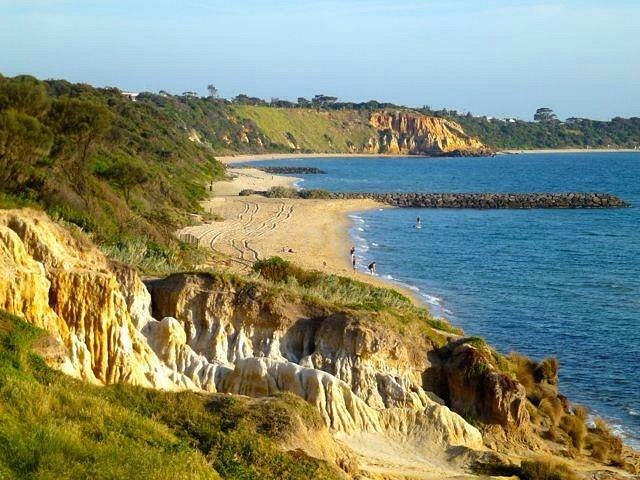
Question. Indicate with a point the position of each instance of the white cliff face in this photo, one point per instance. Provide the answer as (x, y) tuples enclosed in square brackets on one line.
[(212, 335)]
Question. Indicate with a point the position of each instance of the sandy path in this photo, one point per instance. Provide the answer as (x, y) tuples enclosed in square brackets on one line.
[(311, 233)]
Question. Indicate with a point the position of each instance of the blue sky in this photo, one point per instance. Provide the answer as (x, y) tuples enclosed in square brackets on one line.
[(493, 57)]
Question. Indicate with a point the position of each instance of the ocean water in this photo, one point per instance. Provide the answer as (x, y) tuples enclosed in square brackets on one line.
[(562, 283)]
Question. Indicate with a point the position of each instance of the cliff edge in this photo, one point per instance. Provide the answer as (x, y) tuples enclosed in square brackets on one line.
[(397, 396)]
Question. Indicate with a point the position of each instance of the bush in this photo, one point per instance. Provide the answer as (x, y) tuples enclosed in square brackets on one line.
[(574, 427), (552, 408), (314, 194), (247, 191), (282, 192), (546, 469)]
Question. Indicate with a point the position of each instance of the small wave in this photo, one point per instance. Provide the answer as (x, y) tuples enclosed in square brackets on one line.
[(374, 244), (360, 229), (432, 300), (634, 413), (388, 277)]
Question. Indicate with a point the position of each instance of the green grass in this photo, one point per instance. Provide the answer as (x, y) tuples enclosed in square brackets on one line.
[(310, 130), (54, 427), (336, 292)]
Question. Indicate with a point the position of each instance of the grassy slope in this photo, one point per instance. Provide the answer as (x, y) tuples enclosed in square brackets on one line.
[(54, 427), (310, 130)]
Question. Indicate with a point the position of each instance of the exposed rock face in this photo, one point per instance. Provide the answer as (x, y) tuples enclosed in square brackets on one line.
[(474, 388), (65, 286), (410, 133), (217, 336)]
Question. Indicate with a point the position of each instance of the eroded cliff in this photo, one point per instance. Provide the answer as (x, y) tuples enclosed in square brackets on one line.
[(415, 134), (395, 132), (372, 385)]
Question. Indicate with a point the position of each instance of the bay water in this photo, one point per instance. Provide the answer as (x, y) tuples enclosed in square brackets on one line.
[(563, 283)]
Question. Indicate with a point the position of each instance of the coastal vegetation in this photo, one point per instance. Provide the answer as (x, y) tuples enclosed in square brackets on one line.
[(573, 133), (53, 426), (123, 171)]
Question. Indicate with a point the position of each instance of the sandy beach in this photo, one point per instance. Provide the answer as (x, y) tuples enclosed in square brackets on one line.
[(311, 233)]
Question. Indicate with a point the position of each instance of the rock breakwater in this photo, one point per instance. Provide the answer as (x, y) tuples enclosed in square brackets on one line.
[(490, 200), (289, 170)]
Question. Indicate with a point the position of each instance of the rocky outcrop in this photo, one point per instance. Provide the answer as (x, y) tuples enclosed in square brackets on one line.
[(411, 133), (475, 389), (288, 170), (490, 200), (64, 285)]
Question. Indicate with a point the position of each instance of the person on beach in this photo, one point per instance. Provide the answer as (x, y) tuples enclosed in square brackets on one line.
[(353, 262), (372, 268)]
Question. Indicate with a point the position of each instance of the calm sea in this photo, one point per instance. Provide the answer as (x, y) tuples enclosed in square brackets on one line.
[(562, 283)]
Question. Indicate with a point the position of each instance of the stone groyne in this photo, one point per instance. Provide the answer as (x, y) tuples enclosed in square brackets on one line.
[(289, 170), (490, 200)]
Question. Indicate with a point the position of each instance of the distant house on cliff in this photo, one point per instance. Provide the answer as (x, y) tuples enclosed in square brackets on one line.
[(131, 95), (190, 94)]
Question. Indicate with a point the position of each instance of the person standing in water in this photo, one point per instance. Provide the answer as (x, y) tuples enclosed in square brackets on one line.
[(418, 224), (372, 268), (353, 257)]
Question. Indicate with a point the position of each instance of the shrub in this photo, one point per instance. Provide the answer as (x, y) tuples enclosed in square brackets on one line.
[(600, 449), (246, 192), (546, 468), (574, 427), (581, 412), (314, 194), (552, 408), (282, 192), (538, 378)]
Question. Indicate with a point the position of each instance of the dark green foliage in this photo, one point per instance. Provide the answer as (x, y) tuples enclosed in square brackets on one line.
[(282, 192), (23, 140), (52, 426), (120, 170), (316, 193), (574, 133)]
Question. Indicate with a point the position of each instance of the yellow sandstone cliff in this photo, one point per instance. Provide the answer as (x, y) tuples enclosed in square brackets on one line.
[(411, 133)]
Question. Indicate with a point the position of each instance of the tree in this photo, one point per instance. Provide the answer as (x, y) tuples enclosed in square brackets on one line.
[(303, 102), (126, 175), (24, 94), (213, 91), (23, 140), (78, 125), (323, 100), (545, 114)]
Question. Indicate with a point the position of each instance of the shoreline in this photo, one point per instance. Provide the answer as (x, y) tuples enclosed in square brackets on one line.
[(256, 157), (566, 150), (314, 234)]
